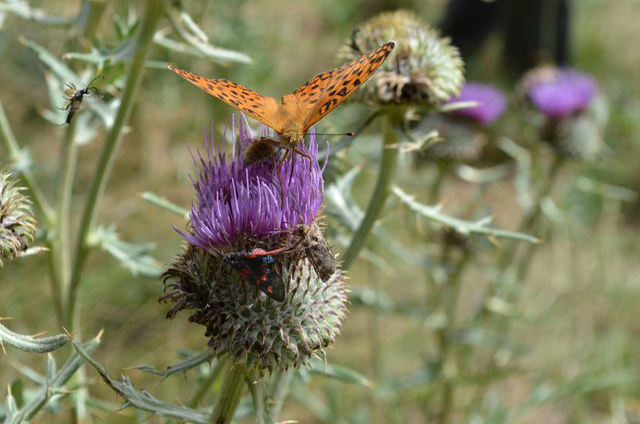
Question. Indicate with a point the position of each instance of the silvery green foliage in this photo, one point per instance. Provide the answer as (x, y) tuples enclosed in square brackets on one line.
[(140, 399), (52, 386), (461, 226), (17, 225), (30, 343), (423, 67), (246, 325)]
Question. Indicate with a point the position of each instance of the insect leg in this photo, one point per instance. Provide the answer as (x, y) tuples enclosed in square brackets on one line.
[(278, 173), (293, 163), (303, 154)]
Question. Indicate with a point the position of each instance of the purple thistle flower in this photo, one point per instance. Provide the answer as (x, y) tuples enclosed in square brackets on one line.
[(232, 291), (492, 103), (559, 93), (237, 202)]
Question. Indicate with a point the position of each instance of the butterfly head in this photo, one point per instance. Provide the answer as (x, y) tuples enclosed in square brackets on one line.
[(292, 138)]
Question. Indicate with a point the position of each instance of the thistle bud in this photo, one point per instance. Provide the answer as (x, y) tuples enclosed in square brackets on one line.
[(17, 225), (423, 68), (466, 131), (568, 101)]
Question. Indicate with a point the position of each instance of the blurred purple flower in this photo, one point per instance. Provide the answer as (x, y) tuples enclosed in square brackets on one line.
[(236, 202), (491, 103), (559, 93)]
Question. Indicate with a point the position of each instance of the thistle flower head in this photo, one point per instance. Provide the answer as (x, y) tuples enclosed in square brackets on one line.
[(236, 203), (569, 100), (491, 103), (17, 225), (559, 93), (239, 208), (423, 68)]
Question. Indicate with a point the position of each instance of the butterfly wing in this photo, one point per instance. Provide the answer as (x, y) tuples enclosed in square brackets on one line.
[(327, 90), (270, 283), (260, 107)]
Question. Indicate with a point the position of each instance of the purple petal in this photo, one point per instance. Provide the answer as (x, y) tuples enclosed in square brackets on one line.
[(562, 93), (235, 201), (491, 103)]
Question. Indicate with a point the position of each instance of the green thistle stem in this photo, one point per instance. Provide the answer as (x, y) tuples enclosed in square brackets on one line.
[(153, 11), (230, 394), (391, 121), (61, 246), (92, 11), (197, 397), (436, 185), (518, 267), (16, 155), (450, 301), (530, 220), (513, 269), (279, 392), (506, 264)]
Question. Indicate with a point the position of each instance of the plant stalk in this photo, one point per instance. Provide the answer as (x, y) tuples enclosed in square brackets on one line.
[(230, 394), (390, 124), (199, 394), (61, 245), (279, 391), (153, 11), (450, 300)]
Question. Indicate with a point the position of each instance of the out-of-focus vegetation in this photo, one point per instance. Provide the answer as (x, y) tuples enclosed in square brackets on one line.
[(571, 350)]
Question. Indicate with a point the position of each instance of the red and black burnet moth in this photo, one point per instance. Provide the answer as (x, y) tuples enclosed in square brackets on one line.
[(257, 267)]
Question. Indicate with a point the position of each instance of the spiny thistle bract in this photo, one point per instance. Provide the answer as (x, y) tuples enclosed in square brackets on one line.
[(17, 225), (423, 68), (567, 100), (238, 208)]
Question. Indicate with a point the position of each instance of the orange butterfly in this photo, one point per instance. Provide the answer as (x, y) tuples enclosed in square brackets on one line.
[(304, 107)]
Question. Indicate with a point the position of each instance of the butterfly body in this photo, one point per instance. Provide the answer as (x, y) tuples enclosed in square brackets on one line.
[(258, 268), (261, 149), (298, 111)]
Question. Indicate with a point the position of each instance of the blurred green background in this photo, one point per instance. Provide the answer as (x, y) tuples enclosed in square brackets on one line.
[(580, 327)]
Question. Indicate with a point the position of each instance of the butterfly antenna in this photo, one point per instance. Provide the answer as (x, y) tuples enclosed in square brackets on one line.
[(348, 134)]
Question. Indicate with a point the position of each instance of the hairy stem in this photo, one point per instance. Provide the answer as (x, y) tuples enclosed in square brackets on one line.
[(450, 302), (205, 386), (279, 391), (230, 394), (391, 121), (61, 245), (98, 184), (92, 11)]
